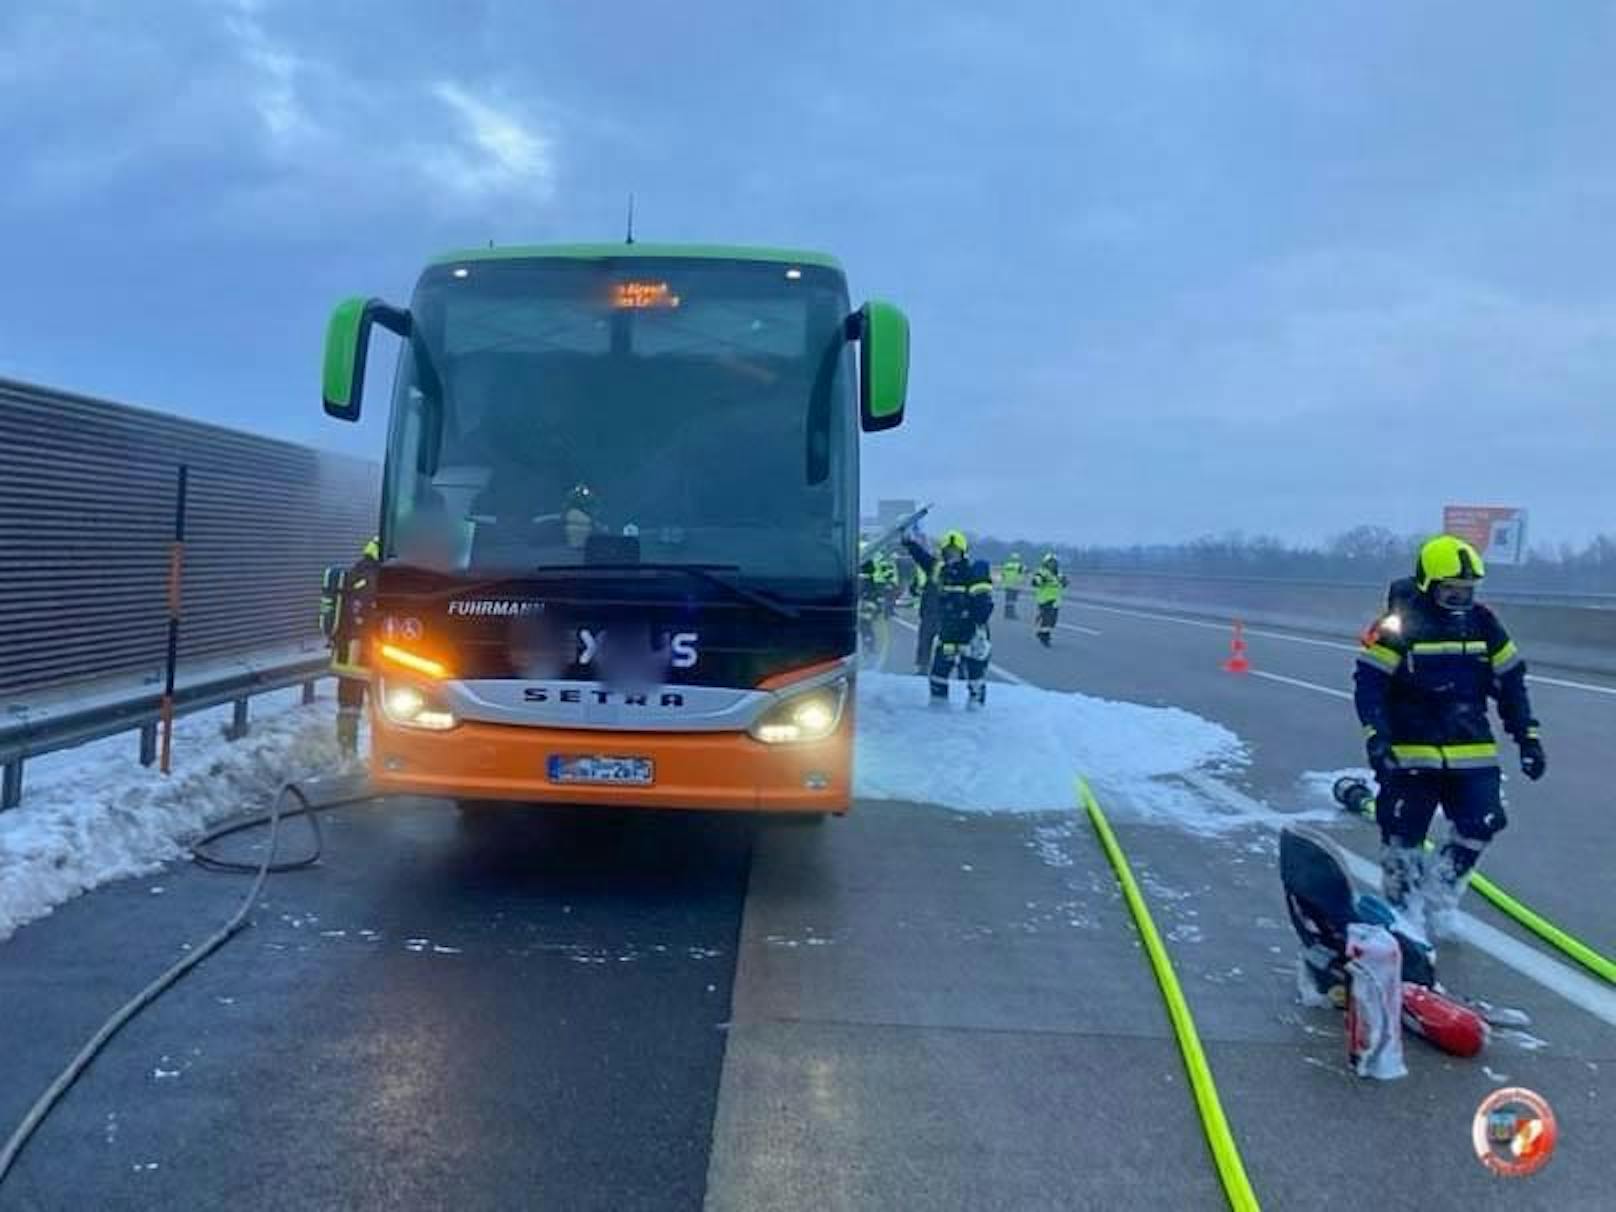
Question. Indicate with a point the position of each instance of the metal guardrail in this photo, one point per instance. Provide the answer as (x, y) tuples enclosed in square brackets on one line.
[(28, 732)]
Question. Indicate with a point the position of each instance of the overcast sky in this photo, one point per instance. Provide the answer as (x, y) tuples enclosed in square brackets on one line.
[(1171, 268)]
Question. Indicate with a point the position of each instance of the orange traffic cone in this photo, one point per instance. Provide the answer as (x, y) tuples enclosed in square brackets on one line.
[(1237, 662)]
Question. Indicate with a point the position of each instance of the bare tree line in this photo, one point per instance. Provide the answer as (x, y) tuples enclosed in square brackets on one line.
[(1363, 553)]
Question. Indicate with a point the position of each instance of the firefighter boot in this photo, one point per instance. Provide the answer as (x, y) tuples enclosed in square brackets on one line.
[(1445, 884), (348, 732), (1402, 881)]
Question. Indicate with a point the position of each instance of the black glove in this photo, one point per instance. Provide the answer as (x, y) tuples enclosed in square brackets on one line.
[(1379, 751), (1533, 760)]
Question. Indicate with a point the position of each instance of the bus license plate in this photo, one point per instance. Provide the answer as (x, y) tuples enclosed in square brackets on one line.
[(634, 771)]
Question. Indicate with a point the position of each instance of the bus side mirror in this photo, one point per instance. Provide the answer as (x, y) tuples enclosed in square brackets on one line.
[(347, 339), (883, 365)]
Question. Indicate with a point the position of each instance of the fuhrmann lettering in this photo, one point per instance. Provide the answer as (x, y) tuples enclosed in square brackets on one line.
[(494, 608)]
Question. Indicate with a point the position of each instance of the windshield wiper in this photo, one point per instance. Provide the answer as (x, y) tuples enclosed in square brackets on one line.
[(710, 573)]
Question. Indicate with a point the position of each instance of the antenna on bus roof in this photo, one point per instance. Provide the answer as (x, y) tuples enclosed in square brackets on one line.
[(630, 239)]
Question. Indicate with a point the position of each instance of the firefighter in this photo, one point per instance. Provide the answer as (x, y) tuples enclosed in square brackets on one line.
[(344, 607), (866, 571), (869, 598), (580, 516), (928, 604), (1011, 575), (965, 604), (1047, 585), (886, 583), (1422, 682)]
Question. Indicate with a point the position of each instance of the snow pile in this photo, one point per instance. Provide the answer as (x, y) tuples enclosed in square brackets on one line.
[(1024, 752), (94, 814)]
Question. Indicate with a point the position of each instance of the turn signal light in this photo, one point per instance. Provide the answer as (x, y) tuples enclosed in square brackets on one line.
[(406, 659)]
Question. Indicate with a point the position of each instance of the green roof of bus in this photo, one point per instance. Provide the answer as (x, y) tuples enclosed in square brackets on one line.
[(597, 252)]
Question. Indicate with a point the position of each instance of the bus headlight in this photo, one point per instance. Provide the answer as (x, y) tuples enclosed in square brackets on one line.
[(412, 707), (811, 715)]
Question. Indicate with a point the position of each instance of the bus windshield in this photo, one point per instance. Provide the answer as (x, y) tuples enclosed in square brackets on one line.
[(683, 410)]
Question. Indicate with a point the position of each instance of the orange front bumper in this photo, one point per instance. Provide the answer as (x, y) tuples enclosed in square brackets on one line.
[(699, 770)]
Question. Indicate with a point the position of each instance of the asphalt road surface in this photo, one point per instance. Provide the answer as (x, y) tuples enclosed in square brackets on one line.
[(906, 1008)]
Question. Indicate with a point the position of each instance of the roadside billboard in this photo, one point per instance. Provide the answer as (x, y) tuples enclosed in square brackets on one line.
[(1498, 532)]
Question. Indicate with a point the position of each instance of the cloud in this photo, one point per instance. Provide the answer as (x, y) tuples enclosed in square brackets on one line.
[(1369, 335), (1307, 393), (499, 152), (278, 132), (274, 70), (1170, 268)]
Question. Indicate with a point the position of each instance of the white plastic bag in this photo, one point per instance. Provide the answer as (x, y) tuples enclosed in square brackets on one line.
[(1374, 1003)]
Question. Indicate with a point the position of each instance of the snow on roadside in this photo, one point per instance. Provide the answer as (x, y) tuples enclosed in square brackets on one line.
[(94, 814), (1022, 754)]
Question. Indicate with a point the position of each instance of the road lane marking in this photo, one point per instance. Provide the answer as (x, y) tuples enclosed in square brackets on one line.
[(1580, 990), (1540, 679), (1347, 694), (1280, 677), (1535, 678), (1210, 626)]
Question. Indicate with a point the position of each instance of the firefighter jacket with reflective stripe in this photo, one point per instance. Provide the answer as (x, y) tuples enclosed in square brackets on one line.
[(1423, 680), (964, 593), (356, 597), (1012, 573), (868, 589), (1047, 585)]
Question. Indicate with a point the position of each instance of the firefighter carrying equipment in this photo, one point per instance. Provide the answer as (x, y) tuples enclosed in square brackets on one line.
[(964, 587), (1422, 684), (965, 604)]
